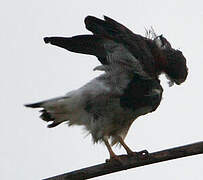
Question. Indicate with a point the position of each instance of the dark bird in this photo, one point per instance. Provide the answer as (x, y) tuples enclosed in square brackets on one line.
[(128, 88)]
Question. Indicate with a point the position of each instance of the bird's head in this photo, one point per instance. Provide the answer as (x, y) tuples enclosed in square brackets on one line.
[(175, 63), (176, 68)]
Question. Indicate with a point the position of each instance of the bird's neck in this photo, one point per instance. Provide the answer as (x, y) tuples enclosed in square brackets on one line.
[(160, 62), (159, 58)]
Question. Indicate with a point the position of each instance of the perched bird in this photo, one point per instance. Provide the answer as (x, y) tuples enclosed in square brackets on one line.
[(128, 88)]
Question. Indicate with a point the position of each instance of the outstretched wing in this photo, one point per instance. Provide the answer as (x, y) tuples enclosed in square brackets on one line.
[(111, 43), (85, 44), (107, 27), (136, 44), (111, 54)]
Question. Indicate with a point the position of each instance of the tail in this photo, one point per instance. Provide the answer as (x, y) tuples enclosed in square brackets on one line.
[(58, 110)]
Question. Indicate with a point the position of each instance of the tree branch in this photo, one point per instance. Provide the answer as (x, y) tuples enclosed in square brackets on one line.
[(131, 162)]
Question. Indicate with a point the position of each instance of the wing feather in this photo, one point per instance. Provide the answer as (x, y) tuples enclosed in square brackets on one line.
[(111, 42), (85, 44), (134, 43), (107, 27)]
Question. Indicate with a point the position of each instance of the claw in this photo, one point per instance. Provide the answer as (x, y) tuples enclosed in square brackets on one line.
[(144, 153), (140, 155)]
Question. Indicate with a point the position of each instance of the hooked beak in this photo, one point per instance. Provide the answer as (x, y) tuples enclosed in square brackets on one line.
[(179, 81)]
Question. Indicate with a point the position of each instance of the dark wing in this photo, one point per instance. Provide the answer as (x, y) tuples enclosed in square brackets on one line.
[(107, 27), (114, 56), (85, 44), (109, 38), (136, 44), (104, 31)]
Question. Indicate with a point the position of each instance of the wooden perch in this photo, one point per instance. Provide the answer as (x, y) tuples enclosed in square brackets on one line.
[(131, 162)]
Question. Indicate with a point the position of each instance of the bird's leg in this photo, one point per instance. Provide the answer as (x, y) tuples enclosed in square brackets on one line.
[(113, 157), (129, 151), (111, 153)]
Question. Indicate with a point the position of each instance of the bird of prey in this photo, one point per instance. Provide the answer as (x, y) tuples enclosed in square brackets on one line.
[(128, 88)]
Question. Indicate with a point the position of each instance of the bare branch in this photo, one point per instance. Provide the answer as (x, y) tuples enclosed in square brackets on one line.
[(131, 162)]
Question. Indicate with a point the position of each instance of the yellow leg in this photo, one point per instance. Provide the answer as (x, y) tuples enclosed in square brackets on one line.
[(111, 153), (128, 150), (141, 154)]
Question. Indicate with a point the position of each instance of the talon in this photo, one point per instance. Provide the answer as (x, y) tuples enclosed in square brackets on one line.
[(144, 153), (140, 155)]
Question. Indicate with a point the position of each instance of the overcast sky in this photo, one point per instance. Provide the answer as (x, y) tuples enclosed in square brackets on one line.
[(31, 71)]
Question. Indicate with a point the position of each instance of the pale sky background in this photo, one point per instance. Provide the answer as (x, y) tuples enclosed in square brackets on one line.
[(31, 71)]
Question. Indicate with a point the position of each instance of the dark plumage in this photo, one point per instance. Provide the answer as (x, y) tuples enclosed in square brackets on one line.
[(129, 87)]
